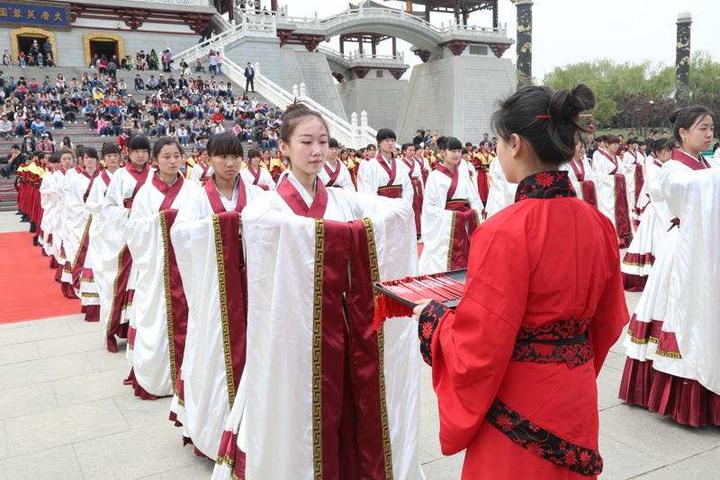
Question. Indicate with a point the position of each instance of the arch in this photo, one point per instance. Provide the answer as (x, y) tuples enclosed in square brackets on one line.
[(103, 36), (35, 32), (416, 34)]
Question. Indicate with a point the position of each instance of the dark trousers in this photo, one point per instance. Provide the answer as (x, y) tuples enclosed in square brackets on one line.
[(250, 84)]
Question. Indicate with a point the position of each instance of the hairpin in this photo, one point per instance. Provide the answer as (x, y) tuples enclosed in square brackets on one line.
[(543, 117)]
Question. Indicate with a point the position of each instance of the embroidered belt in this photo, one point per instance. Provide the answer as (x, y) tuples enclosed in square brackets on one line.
[(521, 431), (559, 342)]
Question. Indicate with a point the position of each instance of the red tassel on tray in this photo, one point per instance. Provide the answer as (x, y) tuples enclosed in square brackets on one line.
[(386, 307)]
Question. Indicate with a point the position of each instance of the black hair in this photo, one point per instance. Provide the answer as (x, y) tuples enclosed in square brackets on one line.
[(225, 144), (371, 146), (384, 134), (163, 141), (139, 142), (90, 152), (633, 141), (485, 142), (609, 139), (452, 143), (687, 117), (290, 119), (254, 153), (441, 142), (662, 144), (109, 148), (465, 151), (332, 143), (55, 157), (15, 146), (79, 151), (405, 146), (547, 120)]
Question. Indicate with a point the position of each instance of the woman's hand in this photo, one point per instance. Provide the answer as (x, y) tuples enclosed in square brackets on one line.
[(419, 307)]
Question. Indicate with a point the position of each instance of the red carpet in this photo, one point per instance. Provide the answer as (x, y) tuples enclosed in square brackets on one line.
[(29, 291)]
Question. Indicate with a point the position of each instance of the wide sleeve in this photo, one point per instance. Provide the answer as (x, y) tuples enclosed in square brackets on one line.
[(471, 347), (611, 314), (366, 178), (143, 228), (345, 179), (408, 192)]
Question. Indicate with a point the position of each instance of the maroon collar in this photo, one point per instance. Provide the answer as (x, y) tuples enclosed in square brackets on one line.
[(214, 196), (294, 200), (690, 161), (391, 170), (170, 191), (545, 185)]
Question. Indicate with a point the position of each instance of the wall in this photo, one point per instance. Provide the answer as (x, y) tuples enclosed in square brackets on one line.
[(456, 95), (381, 98)]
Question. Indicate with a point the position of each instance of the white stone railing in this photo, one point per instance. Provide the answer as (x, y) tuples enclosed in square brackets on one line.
[(355, 59), (438, 32), (350, 134), (264, 27)]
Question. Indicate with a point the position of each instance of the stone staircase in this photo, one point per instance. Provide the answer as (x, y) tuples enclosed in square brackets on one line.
[(8, 195)]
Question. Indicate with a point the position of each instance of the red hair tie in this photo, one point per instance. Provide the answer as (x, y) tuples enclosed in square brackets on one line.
[(544, 117)]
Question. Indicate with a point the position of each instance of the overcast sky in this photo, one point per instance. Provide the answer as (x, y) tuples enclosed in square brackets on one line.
[(568, 31)]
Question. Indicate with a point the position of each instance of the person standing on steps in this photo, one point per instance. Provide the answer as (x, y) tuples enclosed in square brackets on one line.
[(249, 78)]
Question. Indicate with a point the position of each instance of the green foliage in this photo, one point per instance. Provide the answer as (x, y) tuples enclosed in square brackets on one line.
[(633, 95)]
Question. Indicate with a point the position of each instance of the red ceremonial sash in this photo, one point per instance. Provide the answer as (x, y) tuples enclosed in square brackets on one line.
[(294, 200), (622, 215), (176, 306), (465, 222), (689, 161), (120, 295), (214, 196), (140, 178), (89, 187), (170, 191), (391, 170), (417, 193), (332, 174), (410, 164), (350, 421)]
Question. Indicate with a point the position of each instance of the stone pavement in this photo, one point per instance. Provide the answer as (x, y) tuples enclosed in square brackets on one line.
[(64, 414)]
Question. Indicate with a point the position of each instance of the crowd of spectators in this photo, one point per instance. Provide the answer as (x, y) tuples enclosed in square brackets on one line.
[(186, 106)]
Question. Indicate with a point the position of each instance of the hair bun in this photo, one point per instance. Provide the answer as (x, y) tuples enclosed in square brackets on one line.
[(296, 106), (565, 105)]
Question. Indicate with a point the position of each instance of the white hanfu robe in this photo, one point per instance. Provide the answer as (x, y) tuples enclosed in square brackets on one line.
[(581, 177), (655, 222), (259, 177), (390, 179), (444, 229), (502, 192), (94, 285), (210, 365), (115, 257), (337, 176), (155, 358), (75, 226), (51, 191), (660, 366), (199, 172), (611, 186), (280, 400)]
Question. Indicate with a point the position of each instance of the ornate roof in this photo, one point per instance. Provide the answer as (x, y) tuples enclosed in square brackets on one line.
[(449, 5)]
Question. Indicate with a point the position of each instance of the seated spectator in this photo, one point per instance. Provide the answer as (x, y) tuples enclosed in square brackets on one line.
[(37, 127), (152, 84), (7, 59), (57, 119), (6, 126), (14, 160), (139, 83)]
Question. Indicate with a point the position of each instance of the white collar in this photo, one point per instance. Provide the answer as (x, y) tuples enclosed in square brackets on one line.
[(306, 196)]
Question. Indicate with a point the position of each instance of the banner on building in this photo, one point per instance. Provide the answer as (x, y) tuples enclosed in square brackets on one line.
[(35, 14)]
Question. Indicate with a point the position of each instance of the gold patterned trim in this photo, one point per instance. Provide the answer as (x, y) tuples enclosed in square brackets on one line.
[(317, 350), (86, 231), (168, 299), (224, 318), (666, 354), (453, 226), (89, 295), (115, 286), (375, 277)]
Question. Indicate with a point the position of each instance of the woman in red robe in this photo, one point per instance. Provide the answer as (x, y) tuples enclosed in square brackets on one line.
[(515, 365)]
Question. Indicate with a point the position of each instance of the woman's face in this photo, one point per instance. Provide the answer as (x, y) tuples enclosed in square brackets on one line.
[(698, 137), (112, 160), (613, 148), (139, 157), (66, 160), (169, 160), (226, 167), (90, 163), (453, 157), (307, 147)]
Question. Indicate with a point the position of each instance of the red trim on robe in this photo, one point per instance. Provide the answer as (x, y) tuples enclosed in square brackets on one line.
[(622, 215), (689, 161), (140, 178), (214, 196), (294, 200), (391, 170), (256, 177), (466, 222), (119, 299), (333, 174)]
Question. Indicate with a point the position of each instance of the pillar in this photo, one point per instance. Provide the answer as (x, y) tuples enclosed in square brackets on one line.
[(342, 44), (373, 45), (409, 6), (273, 5), (524, 42), (427, 12), (682, 60), (394, 46), (496, 19)]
